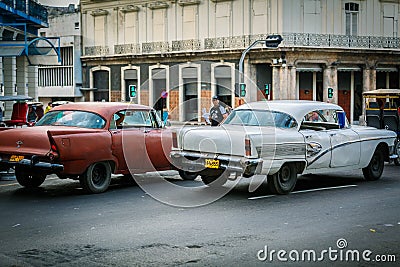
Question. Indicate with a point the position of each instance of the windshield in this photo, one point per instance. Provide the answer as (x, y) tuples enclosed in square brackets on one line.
[(72, 118), (248, 117)]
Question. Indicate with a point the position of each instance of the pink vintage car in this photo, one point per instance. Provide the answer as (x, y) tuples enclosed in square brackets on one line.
[(89, 142)]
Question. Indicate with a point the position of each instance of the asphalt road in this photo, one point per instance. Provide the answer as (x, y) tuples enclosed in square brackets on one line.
[(331, 215)]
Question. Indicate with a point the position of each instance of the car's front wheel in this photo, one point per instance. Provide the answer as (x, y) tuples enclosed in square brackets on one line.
[(185, 175), (284, 181), (96, 178), (374, 169), (27, 179)]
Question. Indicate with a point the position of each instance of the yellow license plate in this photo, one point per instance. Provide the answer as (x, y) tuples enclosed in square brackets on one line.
[(212, 163), (16, 158)]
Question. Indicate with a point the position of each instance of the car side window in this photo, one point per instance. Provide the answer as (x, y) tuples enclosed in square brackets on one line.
[(132, 119)]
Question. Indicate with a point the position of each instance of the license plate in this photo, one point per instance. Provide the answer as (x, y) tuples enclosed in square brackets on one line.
[(16, 158), (212, 163)]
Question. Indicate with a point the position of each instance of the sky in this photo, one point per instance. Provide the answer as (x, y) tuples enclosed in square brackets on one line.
[(58, 2)]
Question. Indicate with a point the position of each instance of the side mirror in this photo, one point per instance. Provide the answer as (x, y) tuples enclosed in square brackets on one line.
[(341, 119)]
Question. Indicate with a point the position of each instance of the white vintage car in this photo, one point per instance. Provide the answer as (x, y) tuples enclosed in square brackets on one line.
[(281, 139)]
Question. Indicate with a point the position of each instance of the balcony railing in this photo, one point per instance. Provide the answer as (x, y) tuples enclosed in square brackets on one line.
[(155, 47), (29, 7), (242, 42), (186, 45), (97, 50), (127, 49)]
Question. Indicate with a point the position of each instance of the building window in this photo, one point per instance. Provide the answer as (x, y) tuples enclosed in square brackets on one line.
[(189, 22), (351, 10), (312, 16), (130, 28), (76, 25), (390, 20), (99, 30)]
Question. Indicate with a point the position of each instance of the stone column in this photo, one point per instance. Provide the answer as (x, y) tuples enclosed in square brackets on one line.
[(276, 83), (22, 76), (330, 81), (283, 85), (33, 79), (292, 89), (10, 82)]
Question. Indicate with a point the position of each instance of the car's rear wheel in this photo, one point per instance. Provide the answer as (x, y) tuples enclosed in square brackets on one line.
[(28, 179), (96, 178), (185, 175), (374, 169), (284, 181), (215, 180)]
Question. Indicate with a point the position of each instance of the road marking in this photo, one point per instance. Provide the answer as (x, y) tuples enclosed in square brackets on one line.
[(306, 191)]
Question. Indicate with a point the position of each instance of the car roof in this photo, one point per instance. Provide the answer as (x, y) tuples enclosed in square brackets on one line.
[(296, 108), (105, 109), (382, 93)]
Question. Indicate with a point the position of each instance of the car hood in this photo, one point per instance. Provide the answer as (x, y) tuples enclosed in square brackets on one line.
[(227, 139)]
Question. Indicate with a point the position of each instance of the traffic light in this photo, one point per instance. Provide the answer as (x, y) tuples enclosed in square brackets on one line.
[(132, 91), (273, 41), (330, 92), (266, 88), (242, 88)]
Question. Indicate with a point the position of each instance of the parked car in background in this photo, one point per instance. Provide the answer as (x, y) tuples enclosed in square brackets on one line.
[(282, 139), (382, 111), (87, 141)]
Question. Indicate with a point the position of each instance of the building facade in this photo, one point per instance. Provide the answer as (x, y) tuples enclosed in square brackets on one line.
[(21, 50), (191, 49), (62, 82)]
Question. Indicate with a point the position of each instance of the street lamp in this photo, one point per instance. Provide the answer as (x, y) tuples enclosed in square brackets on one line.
[(272, 41)]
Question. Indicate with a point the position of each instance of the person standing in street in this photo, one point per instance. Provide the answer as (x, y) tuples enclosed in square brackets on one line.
[(217, 112)]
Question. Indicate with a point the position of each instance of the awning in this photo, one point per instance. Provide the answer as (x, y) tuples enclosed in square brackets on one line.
[(349, 68), (309, 69), (39, 51), (387, 69)]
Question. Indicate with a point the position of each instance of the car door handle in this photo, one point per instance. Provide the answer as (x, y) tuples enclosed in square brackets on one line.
[(115, 132), (332, 134), (308, 136)]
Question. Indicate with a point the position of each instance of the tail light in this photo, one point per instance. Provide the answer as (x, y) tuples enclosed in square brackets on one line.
[(174, 140), (247, 146), (53, 147)]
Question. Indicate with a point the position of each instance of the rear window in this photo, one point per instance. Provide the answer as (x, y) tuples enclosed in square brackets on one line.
[(72, 118), (247, 117)]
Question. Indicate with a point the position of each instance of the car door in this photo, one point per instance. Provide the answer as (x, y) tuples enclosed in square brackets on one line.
[(346, 147), (318, 148), (128, 142), (158, 144)]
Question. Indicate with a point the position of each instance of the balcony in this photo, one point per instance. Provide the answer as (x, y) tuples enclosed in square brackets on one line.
[(241, 42), (24, 11)]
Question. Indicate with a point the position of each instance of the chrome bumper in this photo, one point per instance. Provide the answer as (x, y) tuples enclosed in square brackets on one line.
[(195, 162), (35, 164)]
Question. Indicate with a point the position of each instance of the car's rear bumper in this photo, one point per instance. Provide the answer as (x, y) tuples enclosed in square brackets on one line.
[(195, 162), (34, 164)]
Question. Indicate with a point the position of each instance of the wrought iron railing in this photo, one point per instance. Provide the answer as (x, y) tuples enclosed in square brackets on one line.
[(37, 11), (155, 47), (127, 49), (242, 42), (186, 45), (339, 41), (29, 7), (97, 50)]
